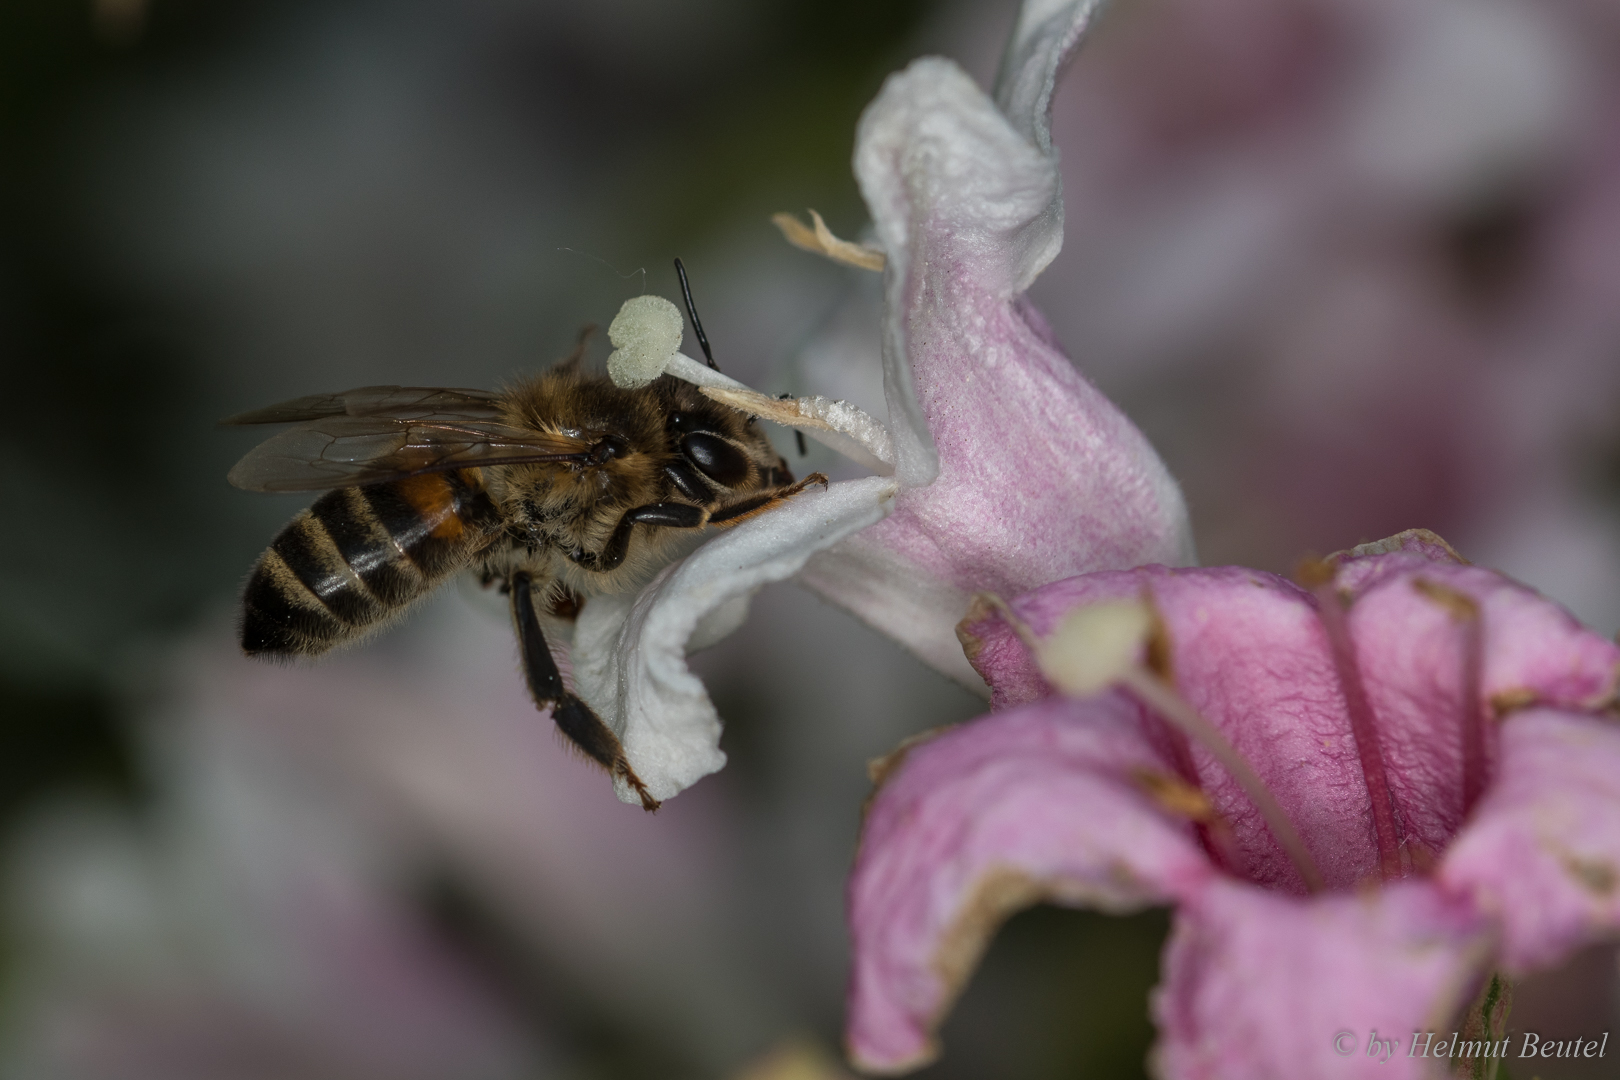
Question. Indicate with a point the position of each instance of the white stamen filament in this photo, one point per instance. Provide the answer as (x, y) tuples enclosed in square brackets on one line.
[(835, 424), (1162, 699), (647, 332), (1098, 646)]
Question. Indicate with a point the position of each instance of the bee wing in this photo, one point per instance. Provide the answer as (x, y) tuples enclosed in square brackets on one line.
[(346, 451), (396, 401)]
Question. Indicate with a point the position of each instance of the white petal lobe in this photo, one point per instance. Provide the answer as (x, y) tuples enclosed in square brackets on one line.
[(1047, 32), (630, 651)]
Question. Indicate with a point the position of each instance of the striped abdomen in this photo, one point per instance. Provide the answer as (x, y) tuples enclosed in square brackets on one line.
[(359, 555)]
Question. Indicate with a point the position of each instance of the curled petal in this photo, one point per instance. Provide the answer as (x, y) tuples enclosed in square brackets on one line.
[(1364, 564), (1014, 470), (1542, 852), (1534, 650), (630, 651), (1046, 33), (1261, 986), (1053, 802), (1414, 622)]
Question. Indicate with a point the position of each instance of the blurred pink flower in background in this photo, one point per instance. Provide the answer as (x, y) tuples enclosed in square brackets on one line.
[(1448, 733), (270, 909), (251, 922), (1353, 268)]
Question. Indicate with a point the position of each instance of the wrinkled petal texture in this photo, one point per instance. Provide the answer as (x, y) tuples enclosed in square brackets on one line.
[(1034, 804), (1249, 652), (629, 655), (1411, 651), (1039, 476), (1015, 471), (1542, 853), (1259, 980), (1259, 986)]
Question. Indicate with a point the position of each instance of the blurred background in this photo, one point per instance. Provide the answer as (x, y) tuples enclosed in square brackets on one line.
[(1353, 265)]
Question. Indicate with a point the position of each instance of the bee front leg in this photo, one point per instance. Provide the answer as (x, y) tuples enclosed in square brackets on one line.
[(572, 716), (670, 515), (749, 505)]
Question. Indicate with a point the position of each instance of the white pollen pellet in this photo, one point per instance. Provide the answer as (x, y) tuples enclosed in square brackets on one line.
[(645, 334), (1094, 646)]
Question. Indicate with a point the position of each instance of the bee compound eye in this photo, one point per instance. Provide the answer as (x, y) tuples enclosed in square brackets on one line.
[(715, 458)]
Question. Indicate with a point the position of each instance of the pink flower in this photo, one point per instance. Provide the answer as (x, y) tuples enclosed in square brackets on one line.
[(1437, 738), (1014, 470), (1011, 469)]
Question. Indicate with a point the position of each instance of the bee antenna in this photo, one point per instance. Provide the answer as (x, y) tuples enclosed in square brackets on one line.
[(691, 311)]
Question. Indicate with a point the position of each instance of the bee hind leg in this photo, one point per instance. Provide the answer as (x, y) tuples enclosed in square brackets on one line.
[(573, 717)]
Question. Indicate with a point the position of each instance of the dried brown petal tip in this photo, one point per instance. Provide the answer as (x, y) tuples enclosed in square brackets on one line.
[(1312, 573), (1459, 605), (1174, 795)]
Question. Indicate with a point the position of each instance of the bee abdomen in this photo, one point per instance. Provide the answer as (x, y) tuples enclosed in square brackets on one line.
[(361, 554)]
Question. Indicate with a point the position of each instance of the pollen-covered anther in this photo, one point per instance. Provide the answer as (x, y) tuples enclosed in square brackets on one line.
[(1174, 795), (1102, 645), (1095, 646), (646, 335), (647, 338)]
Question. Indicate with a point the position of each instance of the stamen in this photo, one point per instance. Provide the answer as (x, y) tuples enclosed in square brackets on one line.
[(647, 336), (1363, 724), (852, 432), (1464, 611), (1167, 703), (821, 241), (1098, 646)]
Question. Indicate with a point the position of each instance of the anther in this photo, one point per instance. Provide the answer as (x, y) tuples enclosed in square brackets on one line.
[(1101, 645)]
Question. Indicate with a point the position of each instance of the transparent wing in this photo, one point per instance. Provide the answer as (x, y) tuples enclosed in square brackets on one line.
[(345, 451), (401, 402)]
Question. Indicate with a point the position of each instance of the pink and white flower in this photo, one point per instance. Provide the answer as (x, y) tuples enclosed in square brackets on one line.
[(1013, 469), (1440, 738), (1009, 468)]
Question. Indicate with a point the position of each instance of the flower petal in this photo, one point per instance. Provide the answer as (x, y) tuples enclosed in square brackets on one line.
[(1260, 986), (1408, 621), (1542, 853), (629, 654), (1046, 803), (1534, 649), (1046, 33), (1247, 650), (1014, 470)]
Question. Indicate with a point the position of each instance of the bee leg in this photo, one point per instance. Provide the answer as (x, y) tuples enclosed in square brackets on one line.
[(742, 509), (669, 515), (572, 716), (688, 482)]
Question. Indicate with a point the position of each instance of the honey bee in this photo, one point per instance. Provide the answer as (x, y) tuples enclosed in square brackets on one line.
[(562, 487)]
